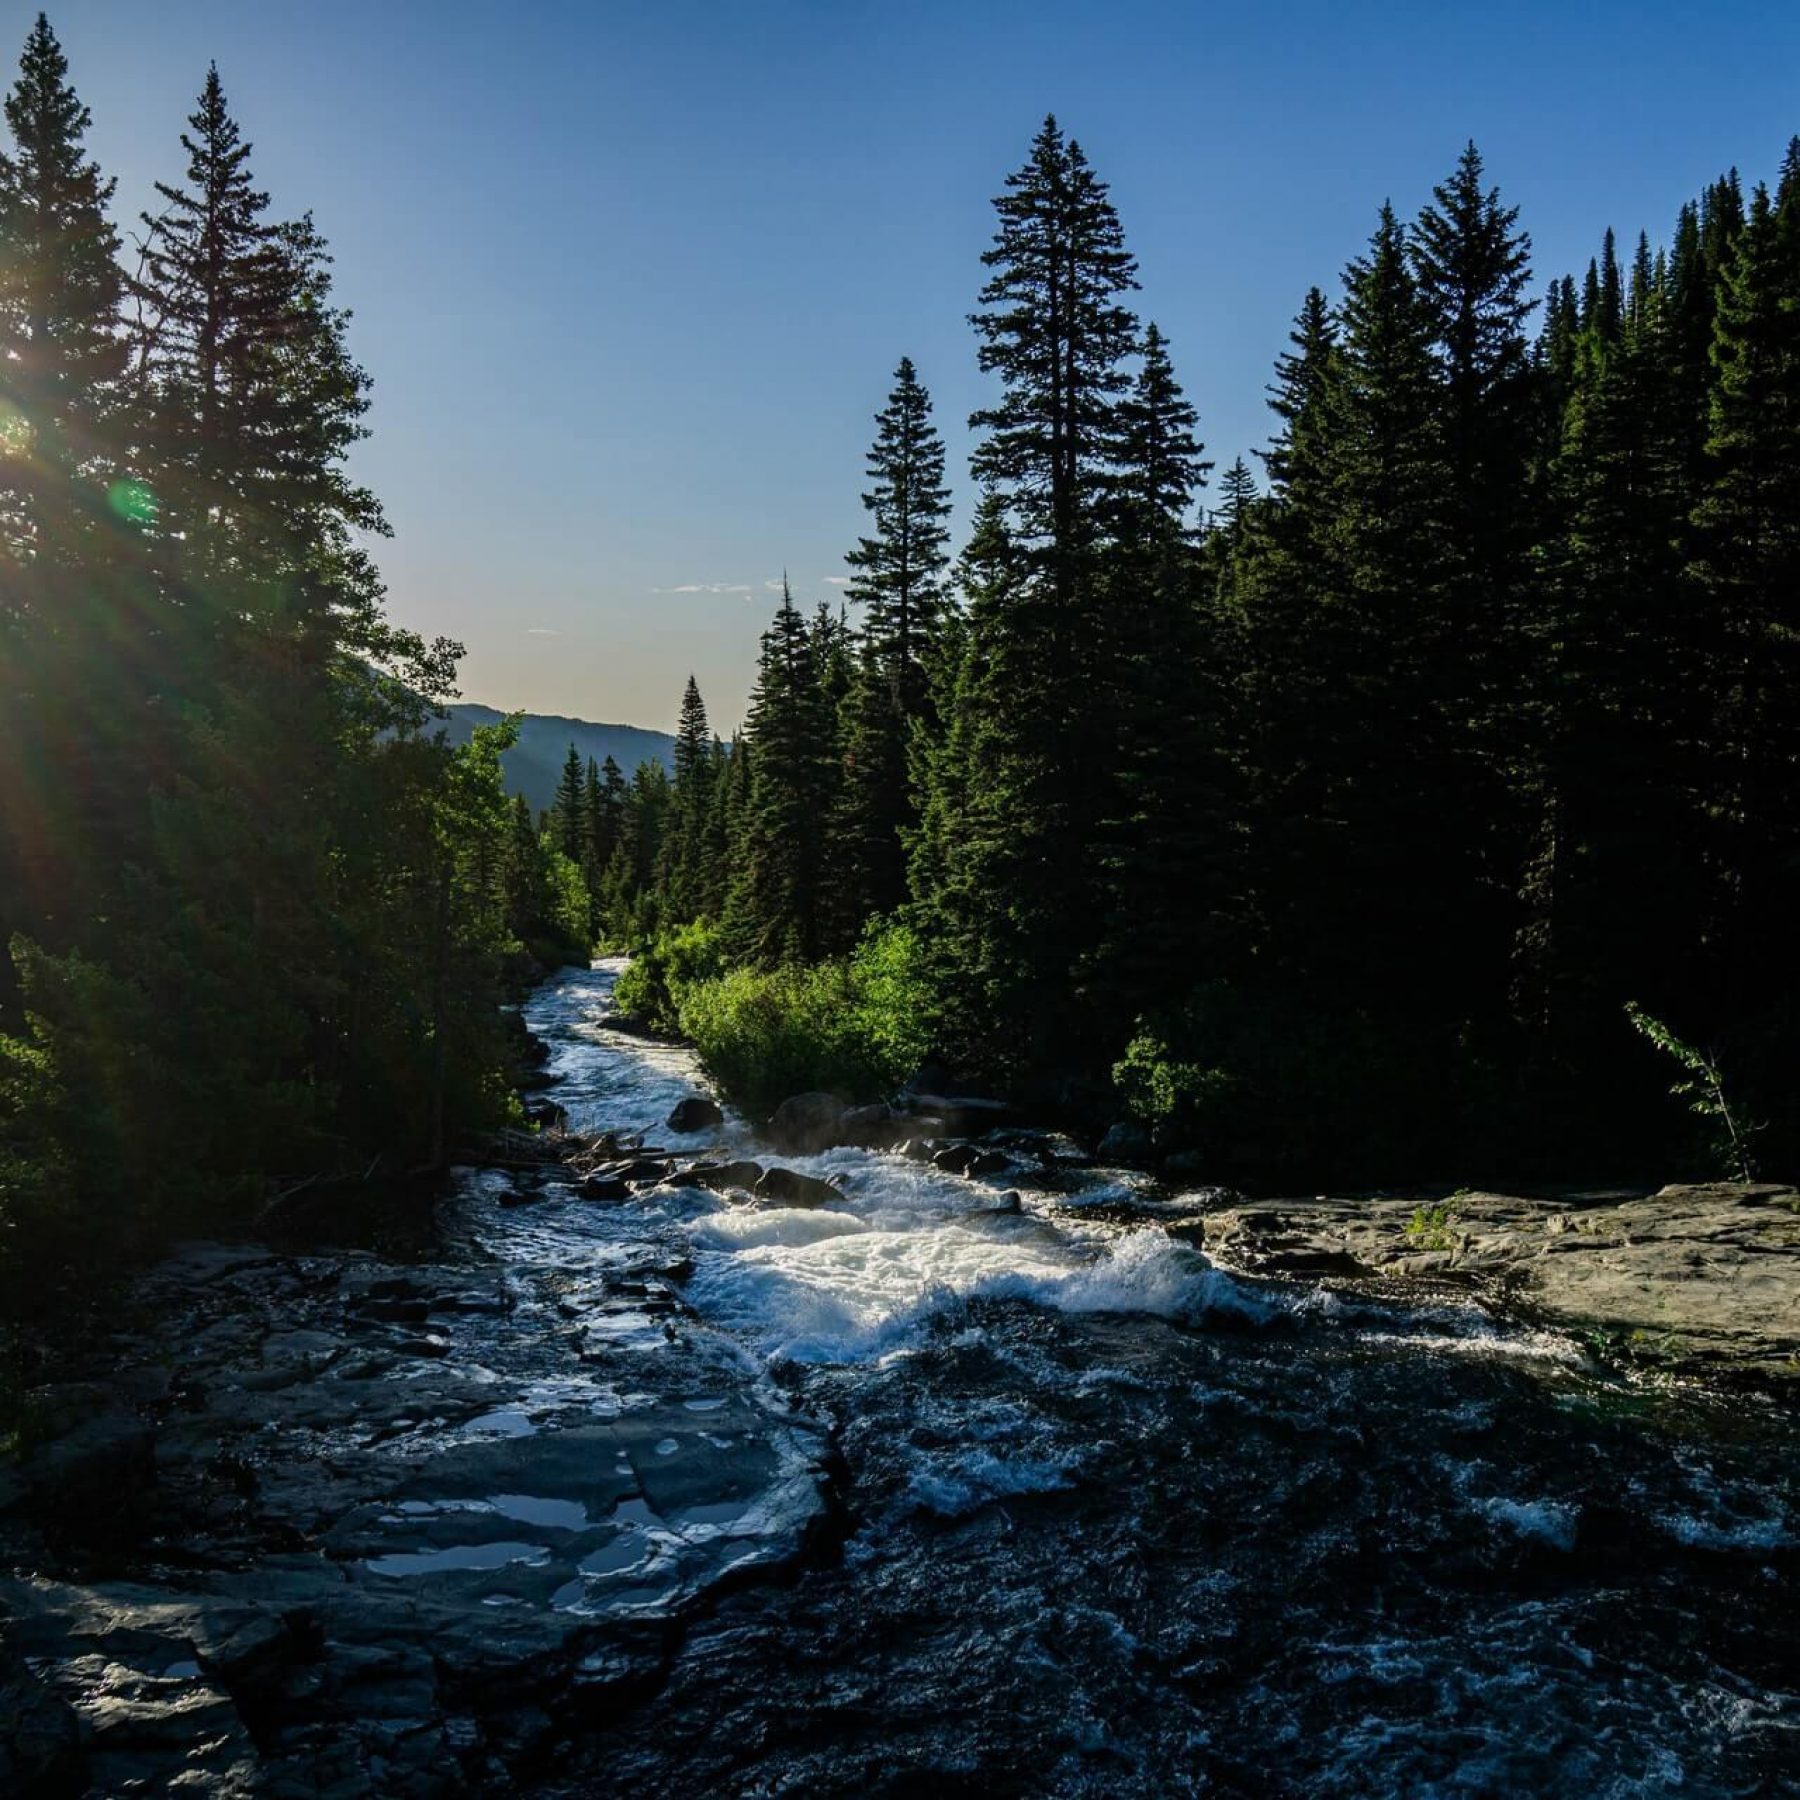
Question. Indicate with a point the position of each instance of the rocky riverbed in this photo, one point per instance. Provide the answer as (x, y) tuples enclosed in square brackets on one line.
[(895, 1472)]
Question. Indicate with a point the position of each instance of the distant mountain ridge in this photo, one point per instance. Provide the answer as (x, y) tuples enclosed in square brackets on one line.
[(535, 762)]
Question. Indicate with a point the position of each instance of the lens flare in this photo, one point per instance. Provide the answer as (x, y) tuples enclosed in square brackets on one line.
[(132, 501), (15, 431)]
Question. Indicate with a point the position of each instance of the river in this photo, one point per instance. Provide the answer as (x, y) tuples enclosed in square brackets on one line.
[(1106, 1520)]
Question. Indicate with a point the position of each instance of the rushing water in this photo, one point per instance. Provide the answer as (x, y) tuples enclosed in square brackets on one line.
[(1115, 1522)]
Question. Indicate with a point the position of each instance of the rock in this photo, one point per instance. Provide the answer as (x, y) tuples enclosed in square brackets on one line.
[(96, 1476), (517, 1197), (606, 1187), (955, 1112), (786, 1187), (875, 1127), (1697, 1279), (1187, 1162), (806, 1123), (1128, 1143), (970, 1159), (547, 1114), (919, 1149), (718, 1176), (695, 1112), (41, 1737)]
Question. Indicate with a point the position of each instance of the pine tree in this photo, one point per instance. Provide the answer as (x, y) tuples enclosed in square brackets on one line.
[(683, 874), (1032, 759), (61, 352), (65, 578), (569, 806), (1748, 524), (775, 915), (1052, 328), (899, 584), (1160, 844)]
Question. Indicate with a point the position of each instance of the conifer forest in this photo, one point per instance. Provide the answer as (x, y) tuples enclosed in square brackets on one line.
[(1407, 809)]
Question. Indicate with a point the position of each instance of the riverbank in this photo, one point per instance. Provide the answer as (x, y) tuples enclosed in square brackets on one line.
[(1698, 1281)]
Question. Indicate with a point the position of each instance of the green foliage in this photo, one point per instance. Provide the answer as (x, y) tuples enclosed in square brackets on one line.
[(849, 1027), (654, 986), (1181, 1102), (1702, 1087), (1430, 1228)]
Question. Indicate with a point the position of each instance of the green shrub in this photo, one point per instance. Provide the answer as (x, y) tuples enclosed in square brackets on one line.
[(652, 988), (856, 1028), (1180, 1101), (1284, 1092)]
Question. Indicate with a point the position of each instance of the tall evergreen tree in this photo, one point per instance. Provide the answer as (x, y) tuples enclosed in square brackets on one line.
[(61, 350), (775, 914), (899, 583), (1032, 761)]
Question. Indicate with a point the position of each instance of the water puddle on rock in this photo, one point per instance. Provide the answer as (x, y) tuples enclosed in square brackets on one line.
[(456, 1557)]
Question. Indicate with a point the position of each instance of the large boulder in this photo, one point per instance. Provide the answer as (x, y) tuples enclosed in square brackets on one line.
[(695, 1112), (720, 1176), (787, 1187), (1127, 1143), (804, 1124), (970, 1159), (876, 1127)]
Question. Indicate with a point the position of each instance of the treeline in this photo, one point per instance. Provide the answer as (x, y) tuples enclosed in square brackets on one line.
[(261, 918), (1344, 828)]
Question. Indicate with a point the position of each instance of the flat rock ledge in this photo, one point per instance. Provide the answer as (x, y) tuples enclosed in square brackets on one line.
[(1699, 1280), (330, 1526)]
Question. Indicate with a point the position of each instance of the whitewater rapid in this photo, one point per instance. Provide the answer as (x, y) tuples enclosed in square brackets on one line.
[(858, 1281), (1116, 1521)]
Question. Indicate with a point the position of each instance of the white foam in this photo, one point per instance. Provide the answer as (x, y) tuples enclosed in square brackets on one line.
[(854, 1295), (1549, 1522), (969, 1481), (784, 1227)]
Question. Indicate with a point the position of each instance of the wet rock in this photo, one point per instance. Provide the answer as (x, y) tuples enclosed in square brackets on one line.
[(605, 1187), (875, 1127), (41, 1735), (970, 1159), (963, 1113), (695, 1112), (547, 1114), (1049, 1149), (786, 1187), (720, 1176), (804, 1124), (1127, 1143), (1694, 1278), (1007, 1206), (95, 1477), (919, 1149)]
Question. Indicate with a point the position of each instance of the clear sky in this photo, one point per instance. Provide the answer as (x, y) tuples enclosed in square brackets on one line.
[(632, 278)]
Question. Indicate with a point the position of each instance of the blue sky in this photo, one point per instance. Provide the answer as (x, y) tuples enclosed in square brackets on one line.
[(632, 278)]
